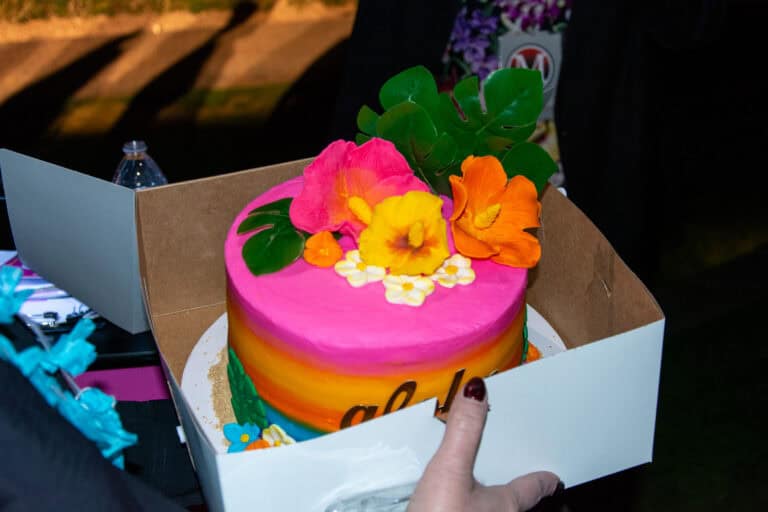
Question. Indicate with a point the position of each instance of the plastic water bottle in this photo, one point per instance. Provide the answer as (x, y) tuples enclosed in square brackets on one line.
[(137, 169)]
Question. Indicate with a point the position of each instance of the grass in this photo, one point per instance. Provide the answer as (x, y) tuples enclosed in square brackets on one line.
[(90, 116), (19, 11), (227, 105), (25, 10)]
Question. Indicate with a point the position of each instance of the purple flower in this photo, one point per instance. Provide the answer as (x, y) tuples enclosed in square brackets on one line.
[(477, 27), (461, 35), (475, 52), (484, 67), (483, 24), (540, 14)]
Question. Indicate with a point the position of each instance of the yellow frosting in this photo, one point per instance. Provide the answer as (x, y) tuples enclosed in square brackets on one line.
[(320, 396)]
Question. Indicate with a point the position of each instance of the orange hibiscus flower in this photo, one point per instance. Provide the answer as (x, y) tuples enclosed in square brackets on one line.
[(490, 214)]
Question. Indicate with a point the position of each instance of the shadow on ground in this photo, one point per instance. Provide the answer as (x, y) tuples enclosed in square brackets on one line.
[(29, 114)]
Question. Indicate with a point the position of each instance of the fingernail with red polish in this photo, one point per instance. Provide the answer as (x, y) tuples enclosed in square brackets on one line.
[(475, 388)]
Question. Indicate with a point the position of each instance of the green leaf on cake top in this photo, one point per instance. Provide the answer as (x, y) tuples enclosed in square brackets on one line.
[(268, 214), (437, 131), (276, 244), (532, 161), (246, 401)]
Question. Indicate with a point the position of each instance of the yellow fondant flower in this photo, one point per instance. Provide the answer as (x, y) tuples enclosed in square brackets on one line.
[(407, 234), (357, 272), (455, 270), (410, 290), (276, 436)]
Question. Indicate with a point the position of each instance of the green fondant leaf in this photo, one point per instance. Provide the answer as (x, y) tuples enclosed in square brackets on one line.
[(437, 131), (246, 401), (273, 249), (532, 161), (270, 214), (260, 220), (525, 337), (277, 245), (279, 207)]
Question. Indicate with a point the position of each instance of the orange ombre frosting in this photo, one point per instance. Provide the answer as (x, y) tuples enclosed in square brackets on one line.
[(322, 353)]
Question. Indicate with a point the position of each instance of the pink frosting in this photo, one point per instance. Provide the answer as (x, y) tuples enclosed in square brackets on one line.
[(314, 312)]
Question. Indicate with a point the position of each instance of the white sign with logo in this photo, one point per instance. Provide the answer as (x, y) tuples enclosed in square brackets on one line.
[(541, 51)]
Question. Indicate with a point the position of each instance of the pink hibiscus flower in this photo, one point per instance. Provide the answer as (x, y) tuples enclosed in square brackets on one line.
[(345, 182)]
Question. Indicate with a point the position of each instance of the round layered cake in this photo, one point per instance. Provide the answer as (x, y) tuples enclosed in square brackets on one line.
[(323, 355)]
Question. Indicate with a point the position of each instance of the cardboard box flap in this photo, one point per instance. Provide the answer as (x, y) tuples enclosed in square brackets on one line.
[(79, 233), (581, 286), (181, 231), (583, 413)]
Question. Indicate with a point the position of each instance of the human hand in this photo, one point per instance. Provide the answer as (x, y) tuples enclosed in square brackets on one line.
[(448, 483)]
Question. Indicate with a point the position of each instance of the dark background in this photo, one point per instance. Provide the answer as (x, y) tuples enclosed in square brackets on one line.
[(684, 149)]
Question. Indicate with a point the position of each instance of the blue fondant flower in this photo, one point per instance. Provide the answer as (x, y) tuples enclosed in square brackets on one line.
[(240, 436), (10, 299), (93, 413), (72, 352)]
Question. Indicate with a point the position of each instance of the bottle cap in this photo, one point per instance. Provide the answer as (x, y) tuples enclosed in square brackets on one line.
[(134, 146)]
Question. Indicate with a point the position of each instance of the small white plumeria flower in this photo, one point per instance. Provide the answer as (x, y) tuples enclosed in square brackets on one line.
[(455, 270), (410, 290), (357, 272), (276, 436)]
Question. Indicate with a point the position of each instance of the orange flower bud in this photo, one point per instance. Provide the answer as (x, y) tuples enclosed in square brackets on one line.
[(258, 445), (322, 250)]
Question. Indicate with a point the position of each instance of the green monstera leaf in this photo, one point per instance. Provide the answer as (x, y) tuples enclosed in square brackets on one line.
[(366, 120), (415, 84), (410, 127), (271, 214), (246, 402), (504, 114), (437, 131), (530, 160), (277, 244)]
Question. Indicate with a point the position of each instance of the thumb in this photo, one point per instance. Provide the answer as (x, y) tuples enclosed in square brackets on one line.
[(464, 429), (527, 490)]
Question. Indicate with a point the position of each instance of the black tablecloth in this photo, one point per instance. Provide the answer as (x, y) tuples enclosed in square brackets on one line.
[(47, 464)]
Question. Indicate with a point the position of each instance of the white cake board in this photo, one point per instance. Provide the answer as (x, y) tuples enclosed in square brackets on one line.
[(197, 387)]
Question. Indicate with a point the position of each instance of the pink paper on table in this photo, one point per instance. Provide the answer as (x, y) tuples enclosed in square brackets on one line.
[(139, 384)]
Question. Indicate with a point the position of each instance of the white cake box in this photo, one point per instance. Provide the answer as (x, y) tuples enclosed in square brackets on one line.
[(79, 233), (583, 413)]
